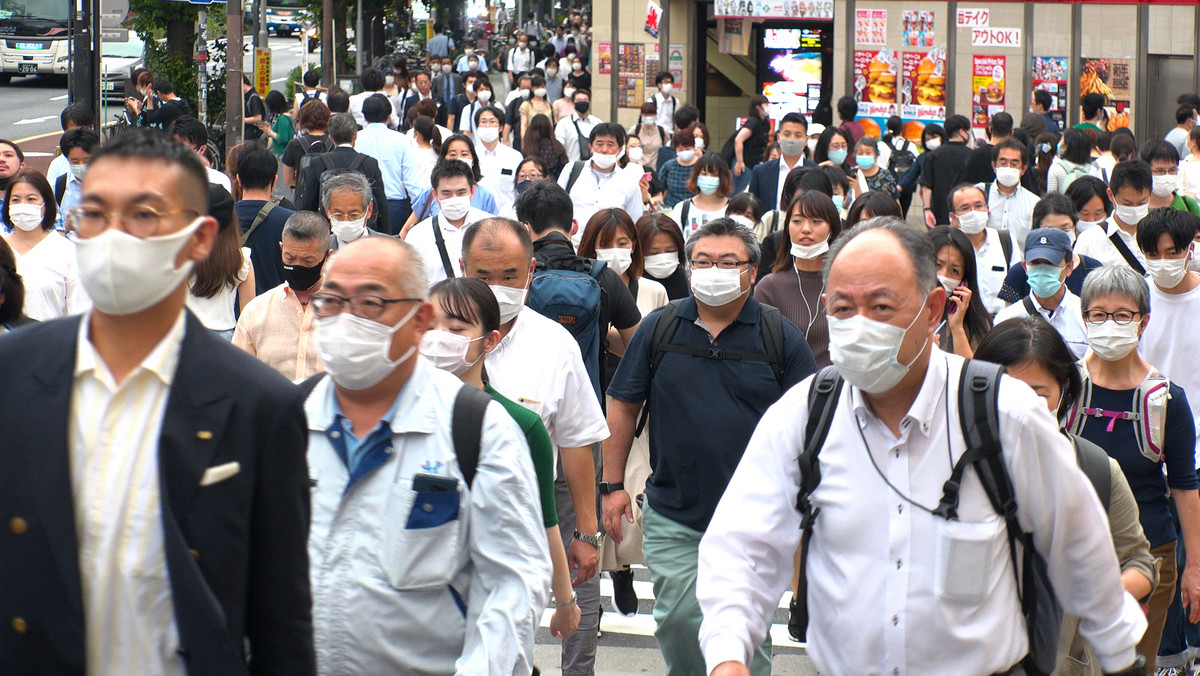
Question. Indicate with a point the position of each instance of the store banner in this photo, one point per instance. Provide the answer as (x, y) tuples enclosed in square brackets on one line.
[(653, 16), (631, 75), (1112, 78), (821, 10), (1050, 75), (733, 36), (604, 57), (875, 88), (988, 88), (675, 61)]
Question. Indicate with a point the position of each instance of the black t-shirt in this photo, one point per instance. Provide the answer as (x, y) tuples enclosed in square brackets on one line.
[(167, 112), (676, 284), (979, 167), (940, 174), (266, 256), (254, 106), (299, 145), (754, 147)]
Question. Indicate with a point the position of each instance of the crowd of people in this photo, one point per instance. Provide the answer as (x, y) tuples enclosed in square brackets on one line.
[(409, 368)]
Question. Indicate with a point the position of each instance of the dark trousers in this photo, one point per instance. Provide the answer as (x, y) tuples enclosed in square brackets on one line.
[(398, 213), (1179, 637), (906, 195)]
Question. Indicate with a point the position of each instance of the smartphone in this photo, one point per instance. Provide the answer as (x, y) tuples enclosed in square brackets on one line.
[(647, 176), (434, 484)]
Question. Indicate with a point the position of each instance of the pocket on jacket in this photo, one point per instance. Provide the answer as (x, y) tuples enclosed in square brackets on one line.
[(421, 547)]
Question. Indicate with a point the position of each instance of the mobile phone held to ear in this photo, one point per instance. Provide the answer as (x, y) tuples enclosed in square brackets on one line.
[(434, 484)]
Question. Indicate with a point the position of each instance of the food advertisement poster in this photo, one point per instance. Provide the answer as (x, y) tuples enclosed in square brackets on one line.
[(775, 9), (604, 58), (1050, 74), (870, 27), (922, 91), (917, 29), (987, 88), (630, 78), (1113, 78)]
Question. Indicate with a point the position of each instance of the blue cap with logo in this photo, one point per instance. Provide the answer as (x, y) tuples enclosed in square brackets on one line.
[(1049, 244)]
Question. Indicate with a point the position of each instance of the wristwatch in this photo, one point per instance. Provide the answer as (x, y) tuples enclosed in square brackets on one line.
[(607, 487), (593, 540), (1136, 669)]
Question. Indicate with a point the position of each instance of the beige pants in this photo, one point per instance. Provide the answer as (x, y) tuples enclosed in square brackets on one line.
[(615, 556)]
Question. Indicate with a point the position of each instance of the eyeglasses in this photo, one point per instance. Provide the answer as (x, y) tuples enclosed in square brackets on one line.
[(365, 306), (1173, 171), (704, 264), (140, 220), (530, 177), (968, 208), (1120, 317)]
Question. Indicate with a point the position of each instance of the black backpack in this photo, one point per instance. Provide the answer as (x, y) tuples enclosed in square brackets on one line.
[(314, 146), (902, 158), (979, 416), (466, 423)]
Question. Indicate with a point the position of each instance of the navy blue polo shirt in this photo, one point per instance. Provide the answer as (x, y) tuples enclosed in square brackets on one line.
[(703, 411)]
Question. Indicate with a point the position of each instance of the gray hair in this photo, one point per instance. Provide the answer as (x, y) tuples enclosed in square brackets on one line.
[(307, 226), (342, 128), (411, 274), (726, 227), (352, 180), (1116, 280), (914, 243)]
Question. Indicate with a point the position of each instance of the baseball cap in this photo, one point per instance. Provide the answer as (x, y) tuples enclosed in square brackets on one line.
[(1050, 244)]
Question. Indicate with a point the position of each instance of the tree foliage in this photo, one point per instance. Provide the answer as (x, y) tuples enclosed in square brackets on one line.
[(172, 58)]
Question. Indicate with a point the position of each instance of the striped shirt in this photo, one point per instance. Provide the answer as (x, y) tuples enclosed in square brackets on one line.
[(129, 614), (277, 329)]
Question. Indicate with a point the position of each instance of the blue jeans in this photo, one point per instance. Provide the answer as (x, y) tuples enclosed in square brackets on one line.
[(1180, 638)]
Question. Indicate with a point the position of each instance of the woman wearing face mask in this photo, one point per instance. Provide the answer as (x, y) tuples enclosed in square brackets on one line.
[(870, 175), (579, 78), (833, 148), (427, 144), (677, 172), (528, 172), (843, 192), (536, 105), (795, 285), (751, 140), (1033, 352), (464, 329), (700, 131), (226, 276), (744, 208), (1074, 158), (714, 183), (652, 136), (1122, 411), (565, 104), (12, 292), (539, 141), (457, 147), (772, 228), (966, 320), (652, 191), (663, 245), (45, 259), (1052, 211), (1093, 206)]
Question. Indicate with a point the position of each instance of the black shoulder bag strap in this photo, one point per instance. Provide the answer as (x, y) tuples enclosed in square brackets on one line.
[(664, 330), (585, 153), (1006, 246), (1123, 249), (683, 214), (441, 245), (1029, 308), (258, 220), (1094, 462), (822, 403), (576, 170), (466, 428), (60, 188)]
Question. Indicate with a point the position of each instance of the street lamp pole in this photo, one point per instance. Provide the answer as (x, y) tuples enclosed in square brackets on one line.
[(233, 74)]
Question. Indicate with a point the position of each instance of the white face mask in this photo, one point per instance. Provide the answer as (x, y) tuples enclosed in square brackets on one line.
[(811, 252), (1008, 176), (78, 170), (699, 145), (511, 301), (743, 221), (125, 275), (577, 66), (1164, 185), (456, 208), (666, 88), (485, 96), (716, 286), (603, 161), (540, 92), (649, 120), (617, 258), (389, 79), (949, 283), (448, 351), (551, 73), (1083, 226), (865, 352), (791, 147), (27, 217), (1130, 215), (568, 92), (348, 231), (355, 350), (686, 155), (1112, 341), (973, 222), (470, 88), (663, 265), (1167, 273), (445, 68), (489, 134), (636, 154), (933, 144)]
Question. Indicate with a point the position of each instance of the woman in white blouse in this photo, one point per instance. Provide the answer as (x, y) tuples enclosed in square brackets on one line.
[(226, 276), (45, 259)]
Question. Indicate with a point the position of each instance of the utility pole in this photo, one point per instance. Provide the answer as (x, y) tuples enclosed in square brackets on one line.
[(359, 41), (201, 56), (327, 56), (84, 84), (233, 74)]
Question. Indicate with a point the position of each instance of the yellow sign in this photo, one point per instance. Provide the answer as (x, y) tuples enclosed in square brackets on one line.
[(262, 71)]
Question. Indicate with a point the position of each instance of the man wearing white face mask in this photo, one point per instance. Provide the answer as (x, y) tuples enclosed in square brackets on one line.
[(497, 162), (424, 562), (993, 248), (1163, 159), (921, 604), (598, 183), (438, 239), (77, 146), (1009, 203), (664, 99), (723, 359), (170, 468), (1129, 189)]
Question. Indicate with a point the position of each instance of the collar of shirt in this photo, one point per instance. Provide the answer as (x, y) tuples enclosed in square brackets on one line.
[(751, 312), (409, 413), (925, 408), (1113, 227), (1068, 304), (360, 455), (161, 361)]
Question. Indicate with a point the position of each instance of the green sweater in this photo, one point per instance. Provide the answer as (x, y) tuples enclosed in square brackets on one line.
[(539, 447)]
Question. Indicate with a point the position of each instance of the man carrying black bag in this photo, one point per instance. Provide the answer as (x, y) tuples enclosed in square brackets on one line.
[(936, 477)]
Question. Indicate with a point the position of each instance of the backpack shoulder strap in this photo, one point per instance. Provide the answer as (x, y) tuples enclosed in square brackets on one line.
[(60, 188), (310, 383), (683, 215), (466, 428), (576, 170), (441, 246), (1027, 302), (1126, 254), (772, 333), (357, 162), (664, 330), (263, 213), (1094, 462), (1006, 245)]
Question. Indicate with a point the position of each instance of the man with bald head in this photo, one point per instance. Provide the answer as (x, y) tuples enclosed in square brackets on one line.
[(892, 586), (423, 561), (154, 483)]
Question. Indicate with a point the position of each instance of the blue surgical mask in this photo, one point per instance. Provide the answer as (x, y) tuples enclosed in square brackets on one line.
[(837, 156), (865, 161), (1044, 279), (837, 201), (708, 184)]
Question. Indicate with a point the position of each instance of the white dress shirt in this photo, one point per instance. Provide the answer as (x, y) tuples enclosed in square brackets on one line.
[(58, 166), (562, 396), (356, 103), (219, 178), (51, 276), (420, 236), (596, 190), (129, 614), (1095, 242), (1067, 318), (1167, 344), (666, 107), (499, 168), (567, 135), (1011, 212), (401, 177), (875, 580), (990, 270), (384, 594)]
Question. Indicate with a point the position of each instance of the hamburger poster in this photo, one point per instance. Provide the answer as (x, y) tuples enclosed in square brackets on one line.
[(875, 80), (987, 88), (923, 91)]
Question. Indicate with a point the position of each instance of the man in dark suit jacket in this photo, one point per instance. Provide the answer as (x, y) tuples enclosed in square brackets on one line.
[(765, 178), (425, 91), (342, 131), (209, 574), (445, 86)]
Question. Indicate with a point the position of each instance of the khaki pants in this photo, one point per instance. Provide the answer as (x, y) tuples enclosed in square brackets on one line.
[(615, 556), (1159, 602)]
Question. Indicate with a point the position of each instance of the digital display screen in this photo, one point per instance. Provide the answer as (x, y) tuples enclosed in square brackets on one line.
[(792, 69)]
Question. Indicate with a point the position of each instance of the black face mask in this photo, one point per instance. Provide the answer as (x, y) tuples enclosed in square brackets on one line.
[(581, 107), (521, 187), (301, 278)]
